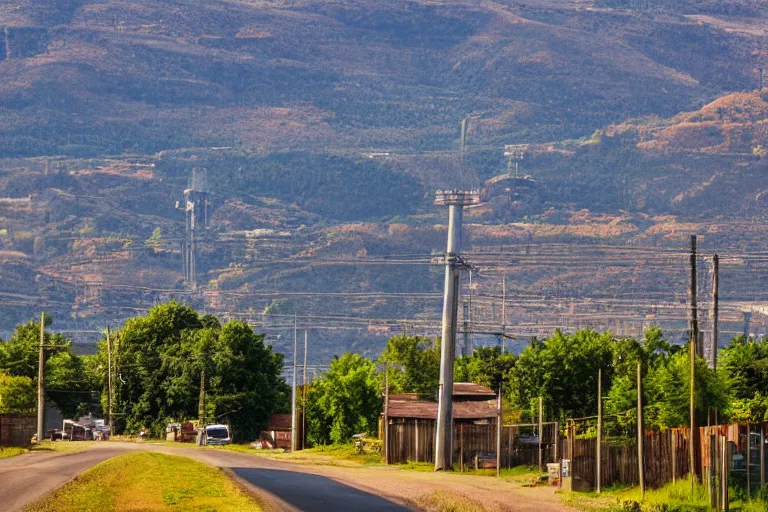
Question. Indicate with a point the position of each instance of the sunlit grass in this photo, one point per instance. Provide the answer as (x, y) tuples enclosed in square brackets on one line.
[(149, 482), (11, 451)]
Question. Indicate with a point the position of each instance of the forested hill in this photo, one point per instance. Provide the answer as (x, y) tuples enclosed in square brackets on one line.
[(641, 123)]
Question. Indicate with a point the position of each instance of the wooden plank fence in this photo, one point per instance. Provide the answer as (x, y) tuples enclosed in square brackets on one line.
[(414, 440)]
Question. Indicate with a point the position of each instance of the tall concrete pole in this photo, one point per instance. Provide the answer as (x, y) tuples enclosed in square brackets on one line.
[(41, 382), (294, 422), (455, 200), (715, 299)]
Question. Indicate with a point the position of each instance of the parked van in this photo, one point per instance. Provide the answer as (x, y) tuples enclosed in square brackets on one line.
[(218, 435)]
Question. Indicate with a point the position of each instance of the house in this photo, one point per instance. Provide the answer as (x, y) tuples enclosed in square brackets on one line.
[(472, 403)]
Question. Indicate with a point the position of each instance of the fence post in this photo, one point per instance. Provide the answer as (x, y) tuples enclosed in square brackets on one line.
[(598, 476), (725, 451), (640, 431), (461, 447), (674, 455), (540, 431), (748, 460), (418, 446), (498, 435), (762, 456)]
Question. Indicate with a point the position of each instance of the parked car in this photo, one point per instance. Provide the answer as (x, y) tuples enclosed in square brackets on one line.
[(218, 435)]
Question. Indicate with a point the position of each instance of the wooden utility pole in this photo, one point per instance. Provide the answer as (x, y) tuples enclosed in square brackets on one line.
[(503, 312), (640, 430), (41, 382), (541, 433), (294, 419), (693, 315), (109, 384), (692, 351), (598, 475), (304, 395), (498, 433), (713, 346), (386, 415), (202, 433)]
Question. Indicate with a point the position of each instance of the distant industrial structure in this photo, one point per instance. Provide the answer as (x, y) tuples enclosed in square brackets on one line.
[(196, 206)]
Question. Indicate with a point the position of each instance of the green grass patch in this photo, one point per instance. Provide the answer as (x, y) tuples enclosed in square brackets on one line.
[(149, 482), (676, 497), (11, 451), (338, 454)]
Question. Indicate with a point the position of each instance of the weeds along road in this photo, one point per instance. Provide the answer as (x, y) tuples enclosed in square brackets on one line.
[(281, 486)]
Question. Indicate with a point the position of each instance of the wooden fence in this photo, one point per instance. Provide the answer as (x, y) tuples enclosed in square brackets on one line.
[(665, 457), (414, 440)]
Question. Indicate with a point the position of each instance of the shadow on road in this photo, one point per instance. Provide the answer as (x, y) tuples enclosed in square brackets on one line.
[(314, 493)]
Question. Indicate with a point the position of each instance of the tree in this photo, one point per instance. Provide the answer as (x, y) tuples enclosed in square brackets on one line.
[(420, 360), (17, 395), (67, 383), (487, 366), (743, 370), (344, 401), (164, 356), (562, 370)]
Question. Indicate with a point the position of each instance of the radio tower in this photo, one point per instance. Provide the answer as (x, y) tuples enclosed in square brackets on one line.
[(196, 205), (455, 200)]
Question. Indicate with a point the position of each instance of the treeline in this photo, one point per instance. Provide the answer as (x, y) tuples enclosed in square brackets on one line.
[(161, 362), (563, 370)]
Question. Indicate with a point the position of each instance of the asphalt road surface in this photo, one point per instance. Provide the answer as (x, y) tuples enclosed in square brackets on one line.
[(281, 486)]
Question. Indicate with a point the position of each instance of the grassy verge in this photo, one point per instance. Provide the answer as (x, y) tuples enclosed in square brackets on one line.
[(62, 446), (11, 451), (149, 482), (527, 475), (336, 454), (677, 497)]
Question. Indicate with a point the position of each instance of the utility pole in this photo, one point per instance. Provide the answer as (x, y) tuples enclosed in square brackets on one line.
[(499, 423), (598, 476), (41, 382), (455, 200), (386, 414), (713, 346), (541, 428), (693, 316), (109, 384), (640, 430), (692, 350), (202, 433), (465, 348), (503, 312), (304, 395), (294, 419)]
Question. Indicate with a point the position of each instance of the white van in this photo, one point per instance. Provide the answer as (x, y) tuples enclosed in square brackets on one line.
[(218, 435)]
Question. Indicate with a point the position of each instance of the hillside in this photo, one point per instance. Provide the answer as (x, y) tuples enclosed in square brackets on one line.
[(325, 127)]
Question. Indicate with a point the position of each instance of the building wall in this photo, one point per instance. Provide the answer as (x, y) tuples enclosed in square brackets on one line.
[(17, 430)]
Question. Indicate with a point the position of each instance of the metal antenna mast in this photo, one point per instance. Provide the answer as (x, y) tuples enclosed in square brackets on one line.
[(455, 200)]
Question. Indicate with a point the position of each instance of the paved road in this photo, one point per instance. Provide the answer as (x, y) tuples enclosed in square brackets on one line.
[(282, 487), (26, 478)]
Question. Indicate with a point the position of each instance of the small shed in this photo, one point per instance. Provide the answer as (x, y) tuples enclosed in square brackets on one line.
[(279, 430)]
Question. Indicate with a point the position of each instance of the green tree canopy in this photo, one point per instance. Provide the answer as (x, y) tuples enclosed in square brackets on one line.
[(17, 395), (487, 366), (344, 401), (415, 365)]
